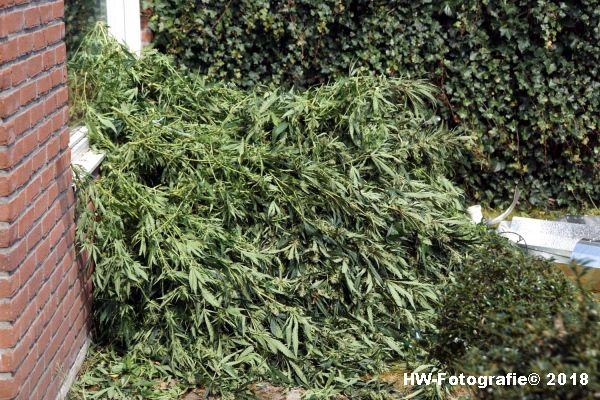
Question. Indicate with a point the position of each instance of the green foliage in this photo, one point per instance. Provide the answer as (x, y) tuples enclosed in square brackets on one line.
[(80, 17), (507, 312), (299, 237), (521, 76), (108, 375)]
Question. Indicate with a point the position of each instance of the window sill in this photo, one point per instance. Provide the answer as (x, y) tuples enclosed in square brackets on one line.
[(81, 153)]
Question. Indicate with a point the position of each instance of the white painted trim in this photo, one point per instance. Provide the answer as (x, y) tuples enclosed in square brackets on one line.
[(123, 20), (81, 154)]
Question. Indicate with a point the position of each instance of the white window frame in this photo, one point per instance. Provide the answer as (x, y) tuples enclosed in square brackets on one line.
[(123, 20)]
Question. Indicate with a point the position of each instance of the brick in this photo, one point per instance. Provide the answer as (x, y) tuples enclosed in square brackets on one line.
[(47, 177), (61, 164), (7, 133), (32, 17), (62, 96), (9, 103), (44, 84), (43, 202), (25, 222), (48, 222), (4, 30), (50, 265), (17, 178), (147, 37), (24, 146), (49, 59), (34, 236), (11, 22), (39, 40), (52, 147), (5, 190), (25, 43), (46, 315), (12, 308), (12, 360), (10, 209), (49, 218), (9, 336), (40, 366), (45, 129), (53, 389), (61, 53), (58, 338), (55, 33), (57, 232), (33, 191), (43, 307), (58, 120), (62, 289), (35, 65), (14, 154), (8, 287), (50, 104), (9, 388), (77, 321), (19, 72), (65, 140), (58, 9), (27, 92), (58, 76), (36, 113), (34, 380), (38, 159), (5, 77), (24, 369), (9, 50), (27, 269), (65, 136), (5, 158), (65, 110), (53, 195), (22, 122), (45, 11), (41, 390)]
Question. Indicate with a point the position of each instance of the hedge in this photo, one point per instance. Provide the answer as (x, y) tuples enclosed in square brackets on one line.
[(521, 76), (507, 312)]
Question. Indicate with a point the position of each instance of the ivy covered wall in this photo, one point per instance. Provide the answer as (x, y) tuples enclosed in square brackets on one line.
[(520, 76)]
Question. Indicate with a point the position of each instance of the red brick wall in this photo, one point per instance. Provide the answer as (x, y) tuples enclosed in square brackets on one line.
[(44, 293), (147, 34)]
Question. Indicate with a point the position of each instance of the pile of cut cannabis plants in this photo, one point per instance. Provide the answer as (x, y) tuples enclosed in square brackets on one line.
[(296, 237)]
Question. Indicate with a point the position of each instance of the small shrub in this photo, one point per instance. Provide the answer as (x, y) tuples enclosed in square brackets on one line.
[(507, 312)]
